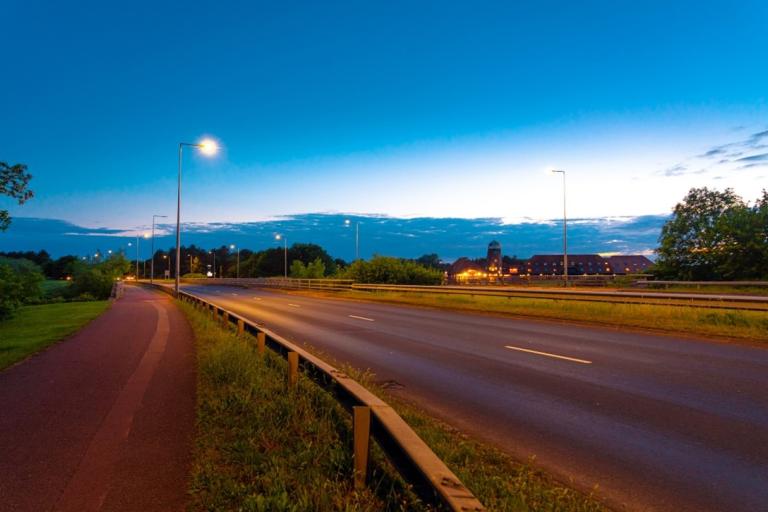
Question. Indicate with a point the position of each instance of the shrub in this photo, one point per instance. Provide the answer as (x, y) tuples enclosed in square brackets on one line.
[(388, 270)]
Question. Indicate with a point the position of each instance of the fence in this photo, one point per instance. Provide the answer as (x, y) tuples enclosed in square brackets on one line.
[(415, 461)]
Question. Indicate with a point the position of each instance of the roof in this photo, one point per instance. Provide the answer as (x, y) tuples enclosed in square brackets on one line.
[(462, 265)]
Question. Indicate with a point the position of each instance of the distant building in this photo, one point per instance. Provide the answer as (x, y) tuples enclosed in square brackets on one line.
[(587, 264), (493, 260), (464, 270), (629, 264), (552, 264)]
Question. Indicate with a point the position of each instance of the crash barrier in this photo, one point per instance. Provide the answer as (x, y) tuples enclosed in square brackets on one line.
[(429, 477)]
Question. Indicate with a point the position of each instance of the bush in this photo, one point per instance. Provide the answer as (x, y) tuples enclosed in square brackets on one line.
[(194, 275), (387, 270), (315, 270), (20, 283)]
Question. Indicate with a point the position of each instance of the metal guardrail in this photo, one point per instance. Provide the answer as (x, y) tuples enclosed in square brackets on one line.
[(699, 284), (430, 478), (707, 301), (634, 297)]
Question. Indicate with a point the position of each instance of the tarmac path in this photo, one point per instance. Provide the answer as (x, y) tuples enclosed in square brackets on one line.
[(104, 420)]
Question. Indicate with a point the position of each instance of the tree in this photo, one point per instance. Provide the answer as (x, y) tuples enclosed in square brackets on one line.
[(715, 235), (388, 270), (14, 182)]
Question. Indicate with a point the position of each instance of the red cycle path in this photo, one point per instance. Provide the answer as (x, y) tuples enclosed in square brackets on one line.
[(105, 419)]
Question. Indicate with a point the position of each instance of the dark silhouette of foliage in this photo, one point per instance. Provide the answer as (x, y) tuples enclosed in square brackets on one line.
[(14, 182)]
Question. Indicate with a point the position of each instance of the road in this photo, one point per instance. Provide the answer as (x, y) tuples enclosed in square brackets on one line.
[(105, 419), (657, 422)]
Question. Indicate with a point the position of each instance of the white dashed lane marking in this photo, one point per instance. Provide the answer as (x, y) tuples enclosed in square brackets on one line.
[(362, 318), (547, 354)]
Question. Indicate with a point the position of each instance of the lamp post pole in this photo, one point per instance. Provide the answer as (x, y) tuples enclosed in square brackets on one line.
[(565, 234), (237, 272), (208, 147), (137, 257), (357, 237), (285, 254), (214, 263), (152, 264)]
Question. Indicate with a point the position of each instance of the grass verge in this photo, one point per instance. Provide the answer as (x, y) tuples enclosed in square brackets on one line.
[(33, 328), (261, 446), (747, 325)]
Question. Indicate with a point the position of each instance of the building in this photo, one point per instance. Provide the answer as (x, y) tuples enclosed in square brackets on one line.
[(629, 264), (493, 263), (464, 270), (578, 264)]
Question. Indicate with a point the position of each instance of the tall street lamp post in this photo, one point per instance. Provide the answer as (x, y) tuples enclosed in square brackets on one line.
[(285, 253), (207, 147), (565, 233), (237, 275), (152, 264), (214, 262), (357, 237)]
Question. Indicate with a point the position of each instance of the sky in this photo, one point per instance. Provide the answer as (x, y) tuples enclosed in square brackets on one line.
[(404, 109)]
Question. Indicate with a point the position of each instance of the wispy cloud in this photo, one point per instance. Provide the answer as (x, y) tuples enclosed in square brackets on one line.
[(737, 155)]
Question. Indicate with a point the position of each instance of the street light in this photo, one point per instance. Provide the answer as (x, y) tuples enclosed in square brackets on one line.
[(214, 262), (565, 232), (207, 147), (145, 235), (285, 252), (152, 264), (238, 260), (348, 222)]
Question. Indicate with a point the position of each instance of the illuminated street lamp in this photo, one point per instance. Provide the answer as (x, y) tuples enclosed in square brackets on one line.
[(238, 260), (214, 261), (207, 147), (348, 222), (565, 232), (285, 252), (152, 264)]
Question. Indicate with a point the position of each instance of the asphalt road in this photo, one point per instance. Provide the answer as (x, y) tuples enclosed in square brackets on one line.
[(656, 422)]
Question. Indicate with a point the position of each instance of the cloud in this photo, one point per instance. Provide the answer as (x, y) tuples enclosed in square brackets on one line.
[(762, 157), (730, 154), (675, 170), (451, 238), (755, 138)]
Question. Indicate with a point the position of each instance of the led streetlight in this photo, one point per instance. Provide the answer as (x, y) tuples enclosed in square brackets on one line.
[(207, 147)]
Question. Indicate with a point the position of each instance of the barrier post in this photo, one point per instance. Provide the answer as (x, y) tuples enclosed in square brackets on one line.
[(293, 369), (240, 327), (362, 437), (260, 342)]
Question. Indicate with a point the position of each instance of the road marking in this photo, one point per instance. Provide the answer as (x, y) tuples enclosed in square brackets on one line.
[(547, 354), (294, 305), (257, 298), (234, 294), (362, 318)]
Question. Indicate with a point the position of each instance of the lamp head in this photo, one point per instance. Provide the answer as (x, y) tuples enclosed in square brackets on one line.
[(278, 236), (208, 147)]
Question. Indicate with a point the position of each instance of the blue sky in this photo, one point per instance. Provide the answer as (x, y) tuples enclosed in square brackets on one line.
[(428, 109)]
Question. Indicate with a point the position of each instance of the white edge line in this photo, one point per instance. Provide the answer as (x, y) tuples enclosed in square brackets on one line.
[(294, 305), (547, 354), (362, 318)]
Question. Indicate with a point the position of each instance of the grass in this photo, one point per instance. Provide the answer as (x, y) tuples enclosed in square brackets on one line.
[(261, 446), (35, 327), (53, 287), (721, 323)]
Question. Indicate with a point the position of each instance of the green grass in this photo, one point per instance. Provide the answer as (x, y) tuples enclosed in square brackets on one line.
[(35, 327), (721, 323), (54, 288), (261, 446)]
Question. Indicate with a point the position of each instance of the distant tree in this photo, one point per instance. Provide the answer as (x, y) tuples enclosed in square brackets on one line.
[(388, 270), (429, 260), (14, 182), (714, 235)]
